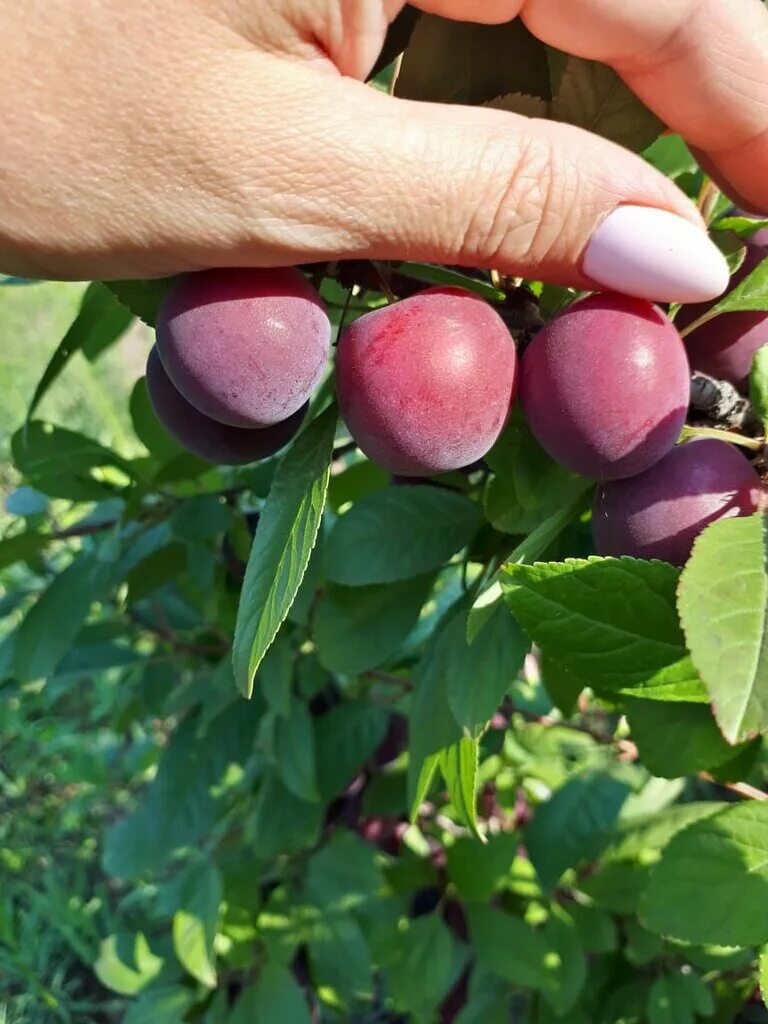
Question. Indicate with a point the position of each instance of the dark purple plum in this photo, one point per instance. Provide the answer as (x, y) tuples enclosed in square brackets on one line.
[(661, 512), (245, 347), (207, 438), (425, 385), (605, 386), (725, 346)]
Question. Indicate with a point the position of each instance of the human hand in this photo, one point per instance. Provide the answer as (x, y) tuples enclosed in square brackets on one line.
[(171, 135)]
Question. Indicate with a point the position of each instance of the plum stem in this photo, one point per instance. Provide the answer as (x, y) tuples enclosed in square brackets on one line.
[(755, 444)]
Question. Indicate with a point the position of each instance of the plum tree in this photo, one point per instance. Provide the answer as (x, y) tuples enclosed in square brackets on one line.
[(205, 437), (605, 386), (725, 346), (659, 513), (425, 385), (245, 347)]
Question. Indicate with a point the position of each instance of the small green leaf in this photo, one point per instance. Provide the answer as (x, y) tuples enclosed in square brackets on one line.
[(275, 676), (148, 427), (295, 752), (358, 628), (168, 1004), (745, 227), (344, 874), (749, 294), (758, 385), (459, 765), (511, 948), (126, 964), (281, 550), (670, 155), (142, 298), (21, 547), (717, 863), (723, 603), (404, 532), (282, 823), (100, 321), (274, 997), (42, 450), (195, 923), (574, 824), (344, 740), (51, 624), (669, 1001), (592, 96), (677, 739), (611, 622), (424, 966), (476, 869)]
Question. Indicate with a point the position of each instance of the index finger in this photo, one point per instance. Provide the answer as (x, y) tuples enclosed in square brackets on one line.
[(702, 66)]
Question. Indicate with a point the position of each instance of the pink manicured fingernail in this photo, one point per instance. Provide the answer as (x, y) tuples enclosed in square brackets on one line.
[(654, 254)]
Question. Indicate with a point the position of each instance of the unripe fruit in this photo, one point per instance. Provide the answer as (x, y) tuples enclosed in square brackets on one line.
[(207, 438), (659, 513), (425, 385), (725, 346), (605, 386), (245, 347)]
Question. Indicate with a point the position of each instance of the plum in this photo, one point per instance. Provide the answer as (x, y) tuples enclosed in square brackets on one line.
[(207, 438), (725, 346), (659, 513), (245, 347), (605, 386), (425, 385)]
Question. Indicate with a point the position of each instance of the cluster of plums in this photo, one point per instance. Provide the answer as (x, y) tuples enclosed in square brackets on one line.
[(425, 386)]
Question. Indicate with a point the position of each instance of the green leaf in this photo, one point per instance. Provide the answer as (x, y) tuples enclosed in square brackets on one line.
[(477, 869), (345, 739), (670, 1001), (758, 386), (275, 677), (527, 486), (596, 928), (670, 155), (343, 875), (51, 624), (179, 806), (295, 752), (592, 96), (358, 628), (723, 603), (195, 923), (340, 957), (200, 518), (26, 502), (749, 294), (100, 321), (459, 765), (42, 450), (274, 997), (142, 298), (452, 62), (711, 884), (21, 547), (282, 823), (169, 1004), (745, 227), (563, 687), (403, 531), (126, 964), (509, 947), (612, 622), (148, 427), (424, 967), (763, 969), (479, 674), (284, 540), (574, 824), (677, 739)]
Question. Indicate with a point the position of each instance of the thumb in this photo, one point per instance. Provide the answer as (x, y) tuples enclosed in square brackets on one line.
[(378, 177)]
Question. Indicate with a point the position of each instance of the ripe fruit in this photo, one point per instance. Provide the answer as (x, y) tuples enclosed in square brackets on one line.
[(425, 385), (199, 434), (659, 513), (605, 386), (245, 347), (725, 346)]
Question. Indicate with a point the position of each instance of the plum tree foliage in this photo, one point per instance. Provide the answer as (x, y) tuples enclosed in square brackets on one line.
[(503, 757)]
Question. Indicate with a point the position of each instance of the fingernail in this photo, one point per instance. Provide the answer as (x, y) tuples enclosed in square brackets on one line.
[(654, 254)]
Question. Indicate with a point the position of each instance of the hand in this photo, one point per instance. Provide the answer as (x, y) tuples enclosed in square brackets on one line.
[(168, 135)]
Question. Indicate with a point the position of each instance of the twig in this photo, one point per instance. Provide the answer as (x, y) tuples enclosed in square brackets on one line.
[(741, 788)]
